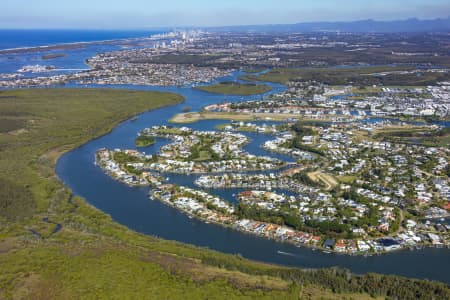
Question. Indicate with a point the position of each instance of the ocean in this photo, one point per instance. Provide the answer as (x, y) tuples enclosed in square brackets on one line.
[(21, 38), (74, 58)]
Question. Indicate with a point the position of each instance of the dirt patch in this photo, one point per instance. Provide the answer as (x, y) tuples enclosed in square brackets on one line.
[(25, 286), (291, 172), (185, 118), (329, 181), (34, 286), (8, 245)]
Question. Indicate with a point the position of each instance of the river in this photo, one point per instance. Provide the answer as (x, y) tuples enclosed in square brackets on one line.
[(132, 207)]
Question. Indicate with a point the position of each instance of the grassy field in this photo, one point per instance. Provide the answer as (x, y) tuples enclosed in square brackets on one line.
[(254, 70), (56, 246), (192, 117), (346, 179), (239, 129), (232, 88), (415, 135), (356, 76)]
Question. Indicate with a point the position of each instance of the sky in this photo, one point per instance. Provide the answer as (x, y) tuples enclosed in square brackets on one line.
[(135, 14)]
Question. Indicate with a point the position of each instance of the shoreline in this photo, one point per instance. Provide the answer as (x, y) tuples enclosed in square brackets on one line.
[(68, 45), (192, 117), (311, 246), (181, 242), (107, 131), (370, 245), (305, 246)]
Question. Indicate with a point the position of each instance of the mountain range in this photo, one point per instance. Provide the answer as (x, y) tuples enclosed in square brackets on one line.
[(408, 25)]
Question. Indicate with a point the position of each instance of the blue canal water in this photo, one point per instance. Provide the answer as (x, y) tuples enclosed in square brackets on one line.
[(132, 207)]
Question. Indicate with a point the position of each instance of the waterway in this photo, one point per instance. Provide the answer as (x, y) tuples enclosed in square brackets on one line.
[(132, 207)]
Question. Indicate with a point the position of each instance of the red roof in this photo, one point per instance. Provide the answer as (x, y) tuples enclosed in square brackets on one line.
[(339, 245), (246, 193)]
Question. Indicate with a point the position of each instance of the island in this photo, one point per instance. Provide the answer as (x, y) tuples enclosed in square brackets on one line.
[(144, 141), (53, 56), (235, 88)]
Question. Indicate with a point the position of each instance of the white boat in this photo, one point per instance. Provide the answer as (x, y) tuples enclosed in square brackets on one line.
[(285, 253)]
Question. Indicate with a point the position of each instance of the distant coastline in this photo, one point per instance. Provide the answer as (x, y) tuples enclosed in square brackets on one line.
[(61, 46), (61, 39)]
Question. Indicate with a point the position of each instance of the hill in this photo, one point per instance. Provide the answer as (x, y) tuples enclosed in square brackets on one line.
[(362, 26)]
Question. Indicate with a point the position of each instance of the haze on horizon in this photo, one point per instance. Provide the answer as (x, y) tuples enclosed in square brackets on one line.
[(141, 14)]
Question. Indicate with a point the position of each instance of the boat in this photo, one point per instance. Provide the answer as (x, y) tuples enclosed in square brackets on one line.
[(133, 119), (285, 253)]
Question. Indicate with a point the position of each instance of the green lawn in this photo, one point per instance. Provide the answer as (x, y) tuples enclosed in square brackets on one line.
[(143, 141)]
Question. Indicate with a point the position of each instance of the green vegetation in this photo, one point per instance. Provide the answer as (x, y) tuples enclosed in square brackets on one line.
[(144, 140), (303, 177), (301, 131), (285, 217), (356, 76), (15, 199), (235, 88), (56, 120), (123, 158), (202, 151), (190, 59), (416, 135), (7, 125), (346, 179), (254, 70), (94, 257)]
